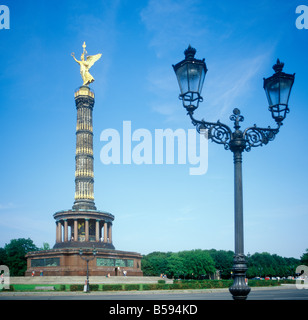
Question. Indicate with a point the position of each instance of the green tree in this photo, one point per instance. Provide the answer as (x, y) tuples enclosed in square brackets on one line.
[(304, 258), (197, 263), (264, 264), (261, 262), (190, 264), (3, 257), (223, 262), (46, 246), (175, 266), (146, 267), (16, 251), (155, 263)]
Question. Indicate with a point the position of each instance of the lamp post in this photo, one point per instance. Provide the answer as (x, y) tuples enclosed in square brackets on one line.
[(87, 259), (190, 75)]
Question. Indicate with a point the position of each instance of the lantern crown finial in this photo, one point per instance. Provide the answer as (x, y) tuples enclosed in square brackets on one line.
[(278, 66), (190, 52)]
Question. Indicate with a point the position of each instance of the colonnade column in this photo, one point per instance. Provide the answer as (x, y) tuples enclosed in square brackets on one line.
[(105, 231), (110, 232), (86, 227), (65, 231), (97, 231), (58, 232), (75, 230)]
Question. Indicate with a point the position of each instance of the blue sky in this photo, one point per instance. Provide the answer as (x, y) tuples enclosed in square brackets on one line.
[(156, 207)]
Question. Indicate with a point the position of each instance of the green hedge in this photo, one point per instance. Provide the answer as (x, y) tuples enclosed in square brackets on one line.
[(112, 287), (60, 287), (201, 284), (94, 287), (176, 285), (263, 283), (149, 286), (76, 287), (129, 287)]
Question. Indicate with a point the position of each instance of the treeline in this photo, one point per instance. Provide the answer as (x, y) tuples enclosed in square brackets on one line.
[(193, 264), (271, 265), (196, 264)]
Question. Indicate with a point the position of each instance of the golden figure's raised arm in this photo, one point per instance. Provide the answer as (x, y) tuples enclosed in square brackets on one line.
[(73, 55)]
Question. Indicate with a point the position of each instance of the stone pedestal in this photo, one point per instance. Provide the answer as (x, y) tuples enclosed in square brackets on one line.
[(67, 262)]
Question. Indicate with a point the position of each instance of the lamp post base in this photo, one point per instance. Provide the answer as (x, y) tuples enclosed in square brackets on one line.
[(239, 289)]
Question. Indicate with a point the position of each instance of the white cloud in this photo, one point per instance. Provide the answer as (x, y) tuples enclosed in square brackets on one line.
[(164, 109), (232, 81), (6, 206), (172, 22)]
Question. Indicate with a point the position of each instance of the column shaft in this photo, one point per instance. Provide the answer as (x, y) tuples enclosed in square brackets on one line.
[(58, 226), (97, 231), (60, 231), (238, 204), (110, 232), (84, 175), (105, 231), (65, 231), (75, 230), (87, 229)]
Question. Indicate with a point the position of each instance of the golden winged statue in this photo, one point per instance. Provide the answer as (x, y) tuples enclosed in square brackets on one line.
[(85, 65)]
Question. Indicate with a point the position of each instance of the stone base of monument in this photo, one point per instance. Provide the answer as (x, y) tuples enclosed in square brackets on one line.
[(67, 262)]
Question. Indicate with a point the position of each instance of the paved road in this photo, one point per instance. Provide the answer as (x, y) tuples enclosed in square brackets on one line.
[(276, 293)]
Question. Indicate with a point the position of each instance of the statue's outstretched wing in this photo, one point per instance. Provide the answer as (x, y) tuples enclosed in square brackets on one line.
[(92, 59)]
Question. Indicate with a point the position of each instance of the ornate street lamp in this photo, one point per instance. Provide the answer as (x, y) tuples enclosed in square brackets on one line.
[(190, 74), (87, 259), (278, 88)]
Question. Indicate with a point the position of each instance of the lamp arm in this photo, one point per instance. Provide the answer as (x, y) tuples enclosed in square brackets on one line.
[(256, 137), (217, 131)]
